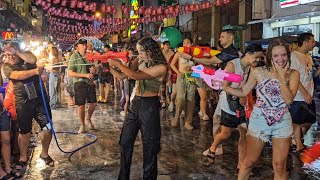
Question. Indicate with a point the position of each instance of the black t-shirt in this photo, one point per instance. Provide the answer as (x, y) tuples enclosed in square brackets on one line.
[(20, 91), (227, 54)]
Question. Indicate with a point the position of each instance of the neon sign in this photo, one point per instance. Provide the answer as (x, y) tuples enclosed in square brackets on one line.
[(135, 5), (6, 35)]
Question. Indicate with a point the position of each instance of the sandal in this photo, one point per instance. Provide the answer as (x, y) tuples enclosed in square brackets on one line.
[(20, 165), (209, 158), (16, 174), (48, 160), (7, 177)]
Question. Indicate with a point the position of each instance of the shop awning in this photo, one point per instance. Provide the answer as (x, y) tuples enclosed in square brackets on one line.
[(286, 18)]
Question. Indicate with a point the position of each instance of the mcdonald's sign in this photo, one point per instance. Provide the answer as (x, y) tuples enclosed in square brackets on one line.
[(7, 35)]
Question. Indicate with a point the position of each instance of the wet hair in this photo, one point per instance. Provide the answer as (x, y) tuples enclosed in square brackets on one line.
[(273, 44), (304, 37), (166, 42), (229, 32), (130, 49), (252, 48), (153, 50), (55, 51)]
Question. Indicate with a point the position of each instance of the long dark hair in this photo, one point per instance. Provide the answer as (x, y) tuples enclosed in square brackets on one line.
[(153, 50), (274, 43)]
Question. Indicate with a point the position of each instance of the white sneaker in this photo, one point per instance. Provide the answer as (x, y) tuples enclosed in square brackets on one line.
[(170, 107), (205, 117), (122, 113), (200, 114), (182, 114)]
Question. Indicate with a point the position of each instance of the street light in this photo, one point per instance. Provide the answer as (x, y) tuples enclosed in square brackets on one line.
[(97, 15)]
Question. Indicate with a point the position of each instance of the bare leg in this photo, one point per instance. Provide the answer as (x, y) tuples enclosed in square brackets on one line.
[(6, 149), (23, 141), (203, 103), (297, 136), (280, 153), (92, 107), (242, 145), (107, 91), (254, 149), (223, 135), (102, 92), (46, 137), (82, 114)]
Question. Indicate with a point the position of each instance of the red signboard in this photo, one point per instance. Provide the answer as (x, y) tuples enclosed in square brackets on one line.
[(7, 35)]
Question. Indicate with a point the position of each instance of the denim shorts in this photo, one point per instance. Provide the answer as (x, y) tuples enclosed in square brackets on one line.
[(259, 128)]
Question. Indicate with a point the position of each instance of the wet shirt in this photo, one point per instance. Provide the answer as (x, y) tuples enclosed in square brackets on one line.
[(227, 54), (23, 89), (303, 63), (78, 65)]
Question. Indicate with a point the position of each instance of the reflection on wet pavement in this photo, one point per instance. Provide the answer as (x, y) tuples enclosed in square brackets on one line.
[(180, 156)]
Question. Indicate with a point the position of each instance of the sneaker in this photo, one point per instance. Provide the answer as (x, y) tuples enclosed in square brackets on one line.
[(122, 113), (81, 130), (170, 107), (182, 114), (188, 126)]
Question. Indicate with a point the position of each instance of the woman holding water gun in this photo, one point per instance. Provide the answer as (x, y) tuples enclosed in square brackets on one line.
[(276, 86), (232, 107)]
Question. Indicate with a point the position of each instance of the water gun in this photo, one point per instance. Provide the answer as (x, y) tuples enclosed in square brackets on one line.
[(199, 51), (311, 154), (123, 56), (213, 77)]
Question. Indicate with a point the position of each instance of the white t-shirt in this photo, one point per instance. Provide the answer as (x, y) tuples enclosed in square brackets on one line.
[(303, 63)]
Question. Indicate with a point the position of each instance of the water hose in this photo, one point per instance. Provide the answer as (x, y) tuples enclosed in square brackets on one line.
[(62, 132)]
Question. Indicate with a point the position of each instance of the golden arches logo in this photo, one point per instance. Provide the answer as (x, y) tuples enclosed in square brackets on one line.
[(7, 35)]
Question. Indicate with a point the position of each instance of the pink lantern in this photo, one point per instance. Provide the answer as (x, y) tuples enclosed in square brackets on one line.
[(86, 8), (63, 3), (141, 10), (73, 3), (159, 10)]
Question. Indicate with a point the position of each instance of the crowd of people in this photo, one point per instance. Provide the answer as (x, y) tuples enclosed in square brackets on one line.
[(279, 80)]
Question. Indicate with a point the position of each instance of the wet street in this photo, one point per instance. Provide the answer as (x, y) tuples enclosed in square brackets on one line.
[(180, 156)]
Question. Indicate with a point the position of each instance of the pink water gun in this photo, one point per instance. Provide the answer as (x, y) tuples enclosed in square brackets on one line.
[(214, 77)]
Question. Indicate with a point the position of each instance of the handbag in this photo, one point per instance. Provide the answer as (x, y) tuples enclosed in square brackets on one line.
[(235, 105)]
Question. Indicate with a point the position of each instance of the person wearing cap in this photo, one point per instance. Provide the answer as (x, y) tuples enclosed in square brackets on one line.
[(83, 83), (22, 70)]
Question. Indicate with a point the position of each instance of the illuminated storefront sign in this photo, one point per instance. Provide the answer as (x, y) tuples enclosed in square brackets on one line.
[(6, 35), (135, 5), (289, 3)]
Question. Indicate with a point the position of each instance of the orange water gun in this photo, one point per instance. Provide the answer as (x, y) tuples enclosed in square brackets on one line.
[(199, 51), (123, 56), (311, 154)]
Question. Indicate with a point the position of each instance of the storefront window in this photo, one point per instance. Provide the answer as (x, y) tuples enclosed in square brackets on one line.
[(307, 28)]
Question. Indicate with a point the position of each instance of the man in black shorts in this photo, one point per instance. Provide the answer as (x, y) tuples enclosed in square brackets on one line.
[(22, 70), (85, 91)]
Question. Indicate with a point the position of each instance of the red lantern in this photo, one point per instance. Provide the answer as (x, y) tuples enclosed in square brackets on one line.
[(207, 4), (177, 9), (226, 1), (73, 3), (49, 1), (166, 11), (154, 12), (159, 10), (86, 8), (103, 8), (217, 3), (108, 9), (141, 10), (63, 3), (196, 7), (126, 10), (56, 1), (114, 11), (170, 9)]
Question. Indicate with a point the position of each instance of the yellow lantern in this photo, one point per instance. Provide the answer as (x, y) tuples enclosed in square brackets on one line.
[(167, 22)]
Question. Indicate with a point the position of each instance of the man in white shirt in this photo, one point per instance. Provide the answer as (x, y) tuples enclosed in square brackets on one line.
[(302, 62)]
